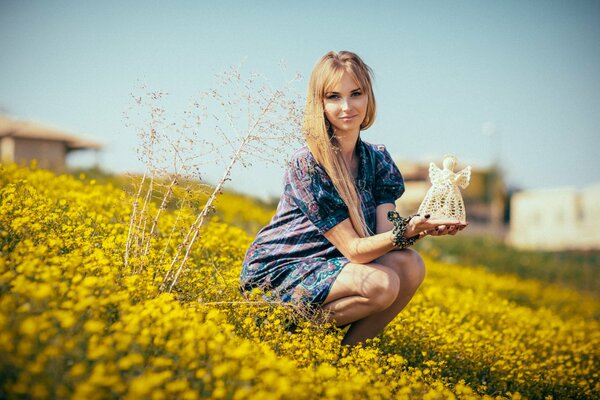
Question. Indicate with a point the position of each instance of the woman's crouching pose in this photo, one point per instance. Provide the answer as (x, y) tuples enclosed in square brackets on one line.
[(336, 241)]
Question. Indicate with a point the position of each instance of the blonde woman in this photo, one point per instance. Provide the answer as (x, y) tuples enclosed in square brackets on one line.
[(335, 241)]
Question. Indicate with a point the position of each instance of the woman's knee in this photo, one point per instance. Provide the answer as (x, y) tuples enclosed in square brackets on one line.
[(409, 266), (384, 288)]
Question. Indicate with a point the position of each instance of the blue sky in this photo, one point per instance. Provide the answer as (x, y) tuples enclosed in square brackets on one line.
[(445, 72)]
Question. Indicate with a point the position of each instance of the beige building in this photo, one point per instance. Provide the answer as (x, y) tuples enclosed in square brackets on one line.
[(556, 219), (22, 141)]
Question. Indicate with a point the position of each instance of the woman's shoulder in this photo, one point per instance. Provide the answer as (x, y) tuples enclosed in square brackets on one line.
[(375, 148), (303, 159), (378, 153), (304, 167), (302, 153)]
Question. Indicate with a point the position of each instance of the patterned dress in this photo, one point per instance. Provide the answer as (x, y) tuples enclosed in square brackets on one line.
[(290, 257)]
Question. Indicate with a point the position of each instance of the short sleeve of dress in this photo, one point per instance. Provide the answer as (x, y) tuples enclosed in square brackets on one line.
[(311, 190), (389, 184)]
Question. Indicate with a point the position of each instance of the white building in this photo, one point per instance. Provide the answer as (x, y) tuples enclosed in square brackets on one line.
[(556, 219)]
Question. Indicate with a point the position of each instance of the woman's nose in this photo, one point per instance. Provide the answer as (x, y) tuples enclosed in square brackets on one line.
[(345, 104)]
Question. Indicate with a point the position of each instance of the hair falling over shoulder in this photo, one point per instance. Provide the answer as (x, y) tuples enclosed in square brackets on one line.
[(319, 134)]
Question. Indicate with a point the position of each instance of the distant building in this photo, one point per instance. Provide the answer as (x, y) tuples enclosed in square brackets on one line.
[(485, 197), (22, 141), (556, 219)]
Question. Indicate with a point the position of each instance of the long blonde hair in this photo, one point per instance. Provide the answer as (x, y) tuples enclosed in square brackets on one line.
[(319, 134)]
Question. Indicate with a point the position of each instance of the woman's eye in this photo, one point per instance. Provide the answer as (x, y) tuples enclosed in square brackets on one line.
[(332, 96), (356, 94)]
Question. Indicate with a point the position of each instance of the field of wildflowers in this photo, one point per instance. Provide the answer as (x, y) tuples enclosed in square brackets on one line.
[(574, 269), (76, 321)]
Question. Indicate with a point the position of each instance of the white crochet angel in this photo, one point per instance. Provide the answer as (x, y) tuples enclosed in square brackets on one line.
[(443, 199)]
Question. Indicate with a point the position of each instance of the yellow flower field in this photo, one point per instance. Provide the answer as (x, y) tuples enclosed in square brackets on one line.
[(77, 322)]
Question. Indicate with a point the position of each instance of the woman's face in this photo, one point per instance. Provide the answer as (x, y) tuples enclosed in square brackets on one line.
[(345, 105)]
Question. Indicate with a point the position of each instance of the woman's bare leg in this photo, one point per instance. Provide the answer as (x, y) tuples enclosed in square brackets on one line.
[(361, 290), (349, 302)]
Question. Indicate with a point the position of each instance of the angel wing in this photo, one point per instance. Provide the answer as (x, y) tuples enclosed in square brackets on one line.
[(463, 177), (435, 174)]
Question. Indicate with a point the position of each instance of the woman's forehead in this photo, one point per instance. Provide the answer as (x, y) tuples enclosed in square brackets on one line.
[(336, 79)]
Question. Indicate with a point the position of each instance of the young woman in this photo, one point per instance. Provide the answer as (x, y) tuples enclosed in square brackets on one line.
[(335, 241)]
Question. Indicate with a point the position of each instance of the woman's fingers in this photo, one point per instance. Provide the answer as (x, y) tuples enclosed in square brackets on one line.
[(445, 230), (436, 227), (420, 221), (452, 229), (448, 222), (425, 223)]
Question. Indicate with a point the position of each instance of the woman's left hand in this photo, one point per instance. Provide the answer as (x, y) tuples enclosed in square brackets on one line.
[(424, 226)]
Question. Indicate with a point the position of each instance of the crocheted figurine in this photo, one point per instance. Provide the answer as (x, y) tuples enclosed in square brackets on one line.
[(443, 199)]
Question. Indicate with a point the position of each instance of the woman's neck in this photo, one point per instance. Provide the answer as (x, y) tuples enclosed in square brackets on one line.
[(347, 144)]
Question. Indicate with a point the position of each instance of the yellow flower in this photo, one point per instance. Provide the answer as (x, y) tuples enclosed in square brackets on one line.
[(76, 321)]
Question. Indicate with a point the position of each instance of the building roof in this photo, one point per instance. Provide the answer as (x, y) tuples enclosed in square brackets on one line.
[(30, 130)]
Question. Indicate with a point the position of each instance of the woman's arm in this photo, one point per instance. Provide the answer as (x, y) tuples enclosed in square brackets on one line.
[(364, 250), (356, 249), (383, 224)]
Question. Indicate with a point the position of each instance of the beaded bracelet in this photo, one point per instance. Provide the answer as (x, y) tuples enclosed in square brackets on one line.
[(400, 225)]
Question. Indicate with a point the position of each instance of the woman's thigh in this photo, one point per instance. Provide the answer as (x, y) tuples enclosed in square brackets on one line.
[(362, 280)]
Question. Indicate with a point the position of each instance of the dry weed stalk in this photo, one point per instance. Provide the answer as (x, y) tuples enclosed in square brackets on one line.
[(244, 118), (138, 216), (164, 150), (295, 312), (271, 115)]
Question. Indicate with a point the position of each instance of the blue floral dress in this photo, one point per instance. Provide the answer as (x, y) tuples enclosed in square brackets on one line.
[(290, 257)]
